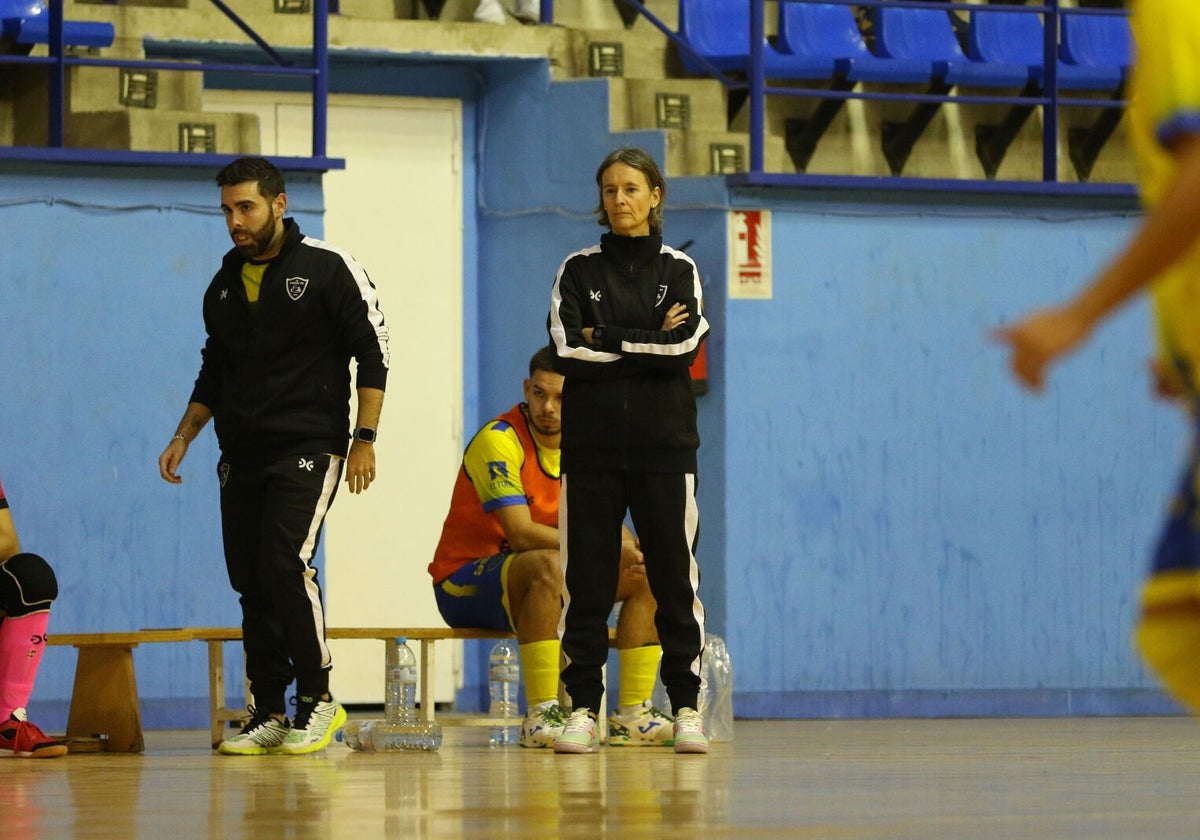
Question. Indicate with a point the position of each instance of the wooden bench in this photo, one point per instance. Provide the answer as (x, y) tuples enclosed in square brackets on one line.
[(104, 698), (220, 714)]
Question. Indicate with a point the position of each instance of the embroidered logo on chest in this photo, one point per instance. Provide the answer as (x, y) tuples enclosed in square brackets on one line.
[(662, 294), (296, 286)]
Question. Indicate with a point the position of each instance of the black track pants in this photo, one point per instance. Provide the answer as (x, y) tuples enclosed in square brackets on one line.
[(271, 519), (663, 509)]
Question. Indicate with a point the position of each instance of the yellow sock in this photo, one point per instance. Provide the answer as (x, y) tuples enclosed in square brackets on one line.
[(539, 666), (1168, 635), (639, 667)]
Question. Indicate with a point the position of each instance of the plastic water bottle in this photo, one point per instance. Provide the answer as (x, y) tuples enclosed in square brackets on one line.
[(403, 729), (356, 735), (382, 736), (504, 676), (400, 701)]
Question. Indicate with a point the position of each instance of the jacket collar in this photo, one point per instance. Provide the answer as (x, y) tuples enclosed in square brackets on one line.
[(630, 251)]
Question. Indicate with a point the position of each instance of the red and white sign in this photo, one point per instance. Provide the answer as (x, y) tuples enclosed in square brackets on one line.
[(750, 254)]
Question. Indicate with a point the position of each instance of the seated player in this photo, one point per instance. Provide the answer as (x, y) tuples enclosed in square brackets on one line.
[(497, 566)]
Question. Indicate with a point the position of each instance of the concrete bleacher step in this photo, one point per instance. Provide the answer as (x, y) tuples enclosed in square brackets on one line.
[(691, 104), (151, 131), (109, 88), (628, 54), (166, 131), (700, 153), (6, 122)]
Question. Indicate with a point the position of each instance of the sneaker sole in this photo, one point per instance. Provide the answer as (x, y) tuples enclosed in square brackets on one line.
[(621, 741), (545, 745), (48, 752), (569, 748), (223, 750), (339, 720), (690, 747)]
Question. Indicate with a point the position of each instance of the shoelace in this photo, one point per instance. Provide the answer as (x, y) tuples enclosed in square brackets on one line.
[(255, 720), (580, 722)]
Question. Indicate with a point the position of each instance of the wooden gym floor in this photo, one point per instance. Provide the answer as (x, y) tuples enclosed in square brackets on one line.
[(988, 778)]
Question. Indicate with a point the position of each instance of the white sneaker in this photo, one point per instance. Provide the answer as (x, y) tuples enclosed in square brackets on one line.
[(647, 727), (579, 735), (490, 11), (262, 735), (317, 721), (689, 732), (543, 725)]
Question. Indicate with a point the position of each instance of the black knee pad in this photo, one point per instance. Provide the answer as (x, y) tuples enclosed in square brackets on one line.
[(27, 585)]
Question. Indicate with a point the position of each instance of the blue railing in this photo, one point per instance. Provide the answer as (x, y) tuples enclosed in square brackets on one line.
[(58, 60), (754, 83), (1050, 101)]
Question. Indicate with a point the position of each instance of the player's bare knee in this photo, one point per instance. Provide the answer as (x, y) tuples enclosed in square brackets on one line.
[(541, 571)]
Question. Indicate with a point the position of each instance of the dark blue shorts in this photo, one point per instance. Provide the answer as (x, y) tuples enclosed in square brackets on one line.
[(477, 595), (1179, 545)]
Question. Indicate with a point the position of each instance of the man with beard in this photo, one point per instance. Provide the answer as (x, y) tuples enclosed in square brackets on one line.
[(284, 315), (497, 566)]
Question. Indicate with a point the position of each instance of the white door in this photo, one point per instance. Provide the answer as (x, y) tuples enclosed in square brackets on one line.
[(397, 208)]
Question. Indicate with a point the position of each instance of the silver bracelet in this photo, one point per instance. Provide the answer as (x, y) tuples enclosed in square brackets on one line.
[(180, 437)]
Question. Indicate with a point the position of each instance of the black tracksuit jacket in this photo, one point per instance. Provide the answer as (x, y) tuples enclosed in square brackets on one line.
[(627, 403), (276, 375)]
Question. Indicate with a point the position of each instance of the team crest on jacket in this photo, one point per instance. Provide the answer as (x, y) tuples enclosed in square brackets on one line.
[(662, 294), (296, 286)]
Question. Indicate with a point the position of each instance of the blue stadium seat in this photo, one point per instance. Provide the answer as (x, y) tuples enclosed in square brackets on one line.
[(928, 35), (1096, 48), (1017, 37), (28, 22), (826, 30), (720, 32)]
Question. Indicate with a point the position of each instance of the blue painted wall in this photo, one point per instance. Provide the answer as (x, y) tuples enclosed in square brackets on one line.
[(888, 525), (103, 275), (910, 533)]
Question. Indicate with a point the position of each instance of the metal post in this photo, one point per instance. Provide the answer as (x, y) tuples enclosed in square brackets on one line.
[(56, 130), (1050, 89), (320, 99), (756, 85)]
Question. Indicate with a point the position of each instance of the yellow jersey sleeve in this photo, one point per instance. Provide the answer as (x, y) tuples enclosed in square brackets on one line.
[(1164, 106), (493, 462)]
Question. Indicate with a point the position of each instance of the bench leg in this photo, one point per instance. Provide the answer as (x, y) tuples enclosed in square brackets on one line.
[(428, 689), (219, 713), (104, 700)]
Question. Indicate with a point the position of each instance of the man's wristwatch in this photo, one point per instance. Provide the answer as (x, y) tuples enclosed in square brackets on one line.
[(364, 434), (597, 334)]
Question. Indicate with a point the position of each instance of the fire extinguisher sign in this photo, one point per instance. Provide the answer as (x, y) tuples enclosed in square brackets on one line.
[(750, 254)]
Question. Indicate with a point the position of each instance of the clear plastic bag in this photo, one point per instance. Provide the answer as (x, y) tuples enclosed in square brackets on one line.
[(716, 690)]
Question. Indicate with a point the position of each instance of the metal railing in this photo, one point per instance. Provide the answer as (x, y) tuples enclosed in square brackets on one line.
[(1050, 101), (58, 60)]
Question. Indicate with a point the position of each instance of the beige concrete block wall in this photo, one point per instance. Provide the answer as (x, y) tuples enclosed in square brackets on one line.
[(158, 131)]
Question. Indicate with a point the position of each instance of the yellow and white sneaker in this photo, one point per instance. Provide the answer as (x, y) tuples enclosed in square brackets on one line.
[(317, 721), (644, 727)]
